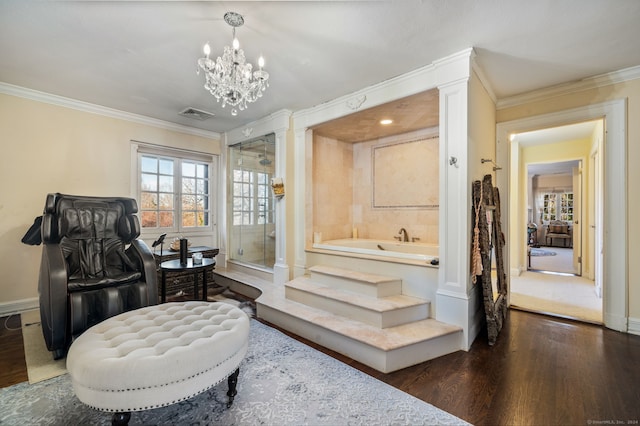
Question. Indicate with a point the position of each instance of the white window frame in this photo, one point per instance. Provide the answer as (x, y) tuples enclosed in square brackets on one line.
[(140, 149), (267, 209), (561, 210)]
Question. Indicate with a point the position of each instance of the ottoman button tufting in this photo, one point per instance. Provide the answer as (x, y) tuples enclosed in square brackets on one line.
[(157, 356)]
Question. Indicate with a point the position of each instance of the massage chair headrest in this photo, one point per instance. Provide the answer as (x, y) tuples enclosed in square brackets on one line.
[(79, 217)]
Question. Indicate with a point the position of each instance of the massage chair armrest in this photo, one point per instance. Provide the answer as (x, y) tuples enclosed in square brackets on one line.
[(140, 252), (52, 286)]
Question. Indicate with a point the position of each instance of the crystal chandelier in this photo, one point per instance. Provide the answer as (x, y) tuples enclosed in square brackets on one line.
[(230, 78)]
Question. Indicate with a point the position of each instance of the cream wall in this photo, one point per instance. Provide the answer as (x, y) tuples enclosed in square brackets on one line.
[(630, 91), (48, 148), (482, 131), (558, 182), (555, 152)]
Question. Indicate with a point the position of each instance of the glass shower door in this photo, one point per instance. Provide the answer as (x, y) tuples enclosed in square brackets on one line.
[(251, 210)]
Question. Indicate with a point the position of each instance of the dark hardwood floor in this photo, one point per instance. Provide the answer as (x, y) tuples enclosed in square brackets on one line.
[(541, 371), (13, 368)]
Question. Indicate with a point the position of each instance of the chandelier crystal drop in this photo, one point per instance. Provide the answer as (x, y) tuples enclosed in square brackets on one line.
[(230, 78)]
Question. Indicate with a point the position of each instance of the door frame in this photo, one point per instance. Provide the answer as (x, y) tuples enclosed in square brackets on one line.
[(578, 204), (614, 172)]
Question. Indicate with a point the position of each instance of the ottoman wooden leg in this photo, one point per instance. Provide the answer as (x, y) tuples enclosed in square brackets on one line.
[(121, 418), (233, 381)]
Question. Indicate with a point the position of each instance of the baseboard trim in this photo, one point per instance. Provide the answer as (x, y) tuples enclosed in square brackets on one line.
[(634, 326), (617, 323), (17, 306)]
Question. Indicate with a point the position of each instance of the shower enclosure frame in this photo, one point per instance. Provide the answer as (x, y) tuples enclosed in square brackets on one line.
[(251, 204)]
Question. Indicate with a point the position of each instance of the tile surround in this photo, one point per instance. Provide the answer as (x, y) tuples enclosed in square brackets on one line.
[(342, 189)]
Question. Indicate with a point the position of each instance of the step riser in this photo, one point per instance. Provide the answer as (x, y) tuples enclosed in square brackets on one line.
[(384, 289), (383, 361), (358, 313)]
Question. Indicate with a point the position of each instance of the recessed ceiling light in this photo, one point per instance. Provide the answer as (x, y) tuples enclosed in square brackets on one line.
[(386, 121)]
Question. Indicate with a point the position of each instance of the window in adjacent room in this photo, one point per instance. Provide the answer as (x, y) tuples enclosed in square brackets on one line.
[(558, 206), (243, 197), (252, 200)]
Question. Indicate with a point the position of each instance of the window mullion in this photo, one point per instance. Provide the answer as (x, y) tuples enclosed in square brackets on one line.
[(177, 194), (254, 197)]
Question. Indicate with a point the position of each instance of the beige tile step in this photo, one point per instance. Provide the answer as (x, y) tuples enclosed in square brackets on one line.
[(381, 312), (240, 282), (356, 282), (386, 350)]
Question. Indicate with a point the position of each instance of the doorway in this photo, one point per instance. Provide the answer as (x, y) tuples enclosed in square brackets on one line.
[(557, 174), (251, 212), (612, 226), (554, 216)]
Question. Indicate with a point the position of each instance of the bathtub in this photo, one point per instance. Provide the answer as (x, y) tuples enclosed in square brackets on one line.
[(416, 252)]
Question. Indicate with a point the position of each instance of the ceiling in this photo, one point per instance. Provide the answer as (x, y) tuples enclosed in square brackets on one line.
[(571, 132), (415, 112), (552, 135), (559, 168), (140, 56)]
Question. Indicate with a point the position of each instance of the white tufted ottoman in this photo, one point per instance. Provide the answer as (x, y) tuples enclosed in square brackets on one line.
[(157, 356)]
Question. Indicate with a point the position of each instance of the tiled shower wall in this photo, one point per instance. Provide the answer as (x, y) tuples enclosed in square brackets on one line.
[(332, 188)]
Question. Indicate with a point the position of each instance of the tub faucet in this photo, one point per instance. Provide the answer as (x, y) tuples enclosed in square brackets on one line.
[(403, 233)]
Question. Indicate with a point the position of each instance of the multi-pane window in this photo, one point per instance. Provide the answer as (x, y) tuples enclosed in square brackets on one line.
[(558, 207), (252, 201), (174, 193)]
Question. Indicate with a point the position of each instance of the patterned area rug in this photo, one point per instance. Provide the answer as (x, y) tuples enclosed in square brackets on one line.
[(542, 252), (282, 382)]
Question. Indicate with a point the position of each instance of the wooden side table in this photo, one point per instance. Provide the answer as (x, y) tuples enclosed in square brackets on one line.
[(183, 281), (175, 266)]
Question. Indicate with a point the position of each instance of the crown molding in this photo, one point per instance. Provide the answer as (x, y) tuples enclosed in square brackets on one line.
[(276, 122), (438, 74), (588, 83), (35, 95), (483, 80)]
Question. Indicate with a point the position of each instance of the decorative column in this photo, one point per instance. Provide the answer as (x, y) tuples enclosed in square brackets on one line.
[(281, 268), (455, 303), (302, 166)]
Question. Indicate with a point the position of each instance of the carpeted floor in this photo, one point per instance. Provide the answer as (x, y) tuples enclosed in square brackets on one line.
[(40, 363), (282, 382), (566, 296), (556, 259)]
